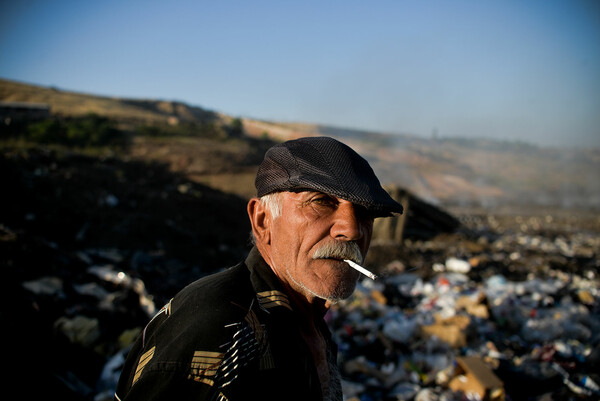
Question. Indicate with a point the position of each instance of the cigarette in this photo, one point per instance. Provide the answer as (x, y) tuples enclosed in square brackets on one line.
[(361, 269)]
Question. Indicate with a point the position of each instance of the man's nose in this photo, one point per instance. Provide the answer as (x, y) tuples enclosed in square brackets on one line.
[(347, 225)]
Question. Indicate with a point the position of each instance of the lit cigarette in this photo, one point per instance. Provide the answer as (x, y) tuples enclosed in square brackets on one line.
[(361, 269)]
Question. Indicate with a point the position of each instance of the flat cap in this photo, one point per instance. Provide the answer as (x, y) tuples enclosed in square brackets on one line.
[(325, 165)]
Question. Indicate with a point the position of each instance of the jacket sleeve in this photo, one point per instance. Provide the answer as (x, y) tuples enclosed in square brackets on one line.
[(178, 355), (170, 362)]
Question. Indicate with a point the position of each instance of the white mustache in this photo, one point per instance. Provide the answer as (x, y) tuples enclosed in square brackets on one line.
[(339, 250)]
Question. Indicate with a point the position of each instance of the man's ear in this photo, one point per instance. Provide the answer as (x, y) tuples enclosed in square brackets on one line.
[(260, 221)]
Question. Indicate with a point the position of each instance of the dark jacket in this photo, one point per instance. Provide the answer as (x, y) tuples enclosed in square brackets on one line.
[(229, 336)]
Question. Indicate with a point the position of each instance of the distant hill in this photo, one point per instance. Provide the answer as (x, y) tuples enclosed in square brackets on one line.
[(451, 172), (77, 104)]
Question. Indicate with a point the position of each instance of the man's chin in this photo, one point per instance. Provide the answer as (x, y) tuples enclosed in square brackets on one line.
[(333, 295), (334, 287), (335, 300), (338, 293)]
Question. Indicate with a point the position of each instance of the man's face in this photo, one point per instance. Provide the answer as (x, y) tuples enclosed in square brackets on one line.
[(308, 222)]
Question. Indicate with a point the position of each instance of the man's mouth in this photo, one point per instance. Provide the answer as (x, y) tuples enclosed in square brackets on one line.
[(356, 266), (333, 259)]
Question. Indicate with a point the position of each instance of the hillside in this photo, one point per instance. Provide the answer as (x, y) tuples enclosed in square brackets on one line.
[(449, 172), (78, 104)]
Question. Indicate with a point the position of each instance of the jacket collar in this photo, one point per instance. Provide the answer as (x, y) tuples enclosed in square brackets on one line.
[(269, 291)]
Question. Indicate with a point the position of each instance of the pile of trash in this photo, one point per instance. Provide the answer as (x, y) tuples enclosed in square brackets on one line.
[(515, 318), (500, 308), (473, 315)]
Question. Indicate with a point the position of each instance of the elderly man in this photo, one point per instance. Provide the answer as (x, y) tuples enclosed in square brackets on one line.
[(256, 330)]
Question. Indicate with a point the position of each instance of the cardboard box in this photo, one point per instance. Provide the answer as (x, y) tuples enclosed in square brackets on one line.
[(473, 376), (452, 331), (474, 305)]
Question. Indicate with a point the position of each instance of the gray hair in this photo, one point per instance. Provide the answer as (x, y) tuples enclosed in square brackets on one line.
[(272, 203)]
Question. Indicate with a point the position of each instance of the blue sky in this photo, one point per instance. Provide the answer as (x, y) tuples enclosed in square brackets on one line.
[(507, 69)]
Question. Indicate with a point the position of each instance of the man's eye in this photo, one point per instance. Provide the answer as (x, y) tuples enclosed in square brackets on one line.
[(323, 201)]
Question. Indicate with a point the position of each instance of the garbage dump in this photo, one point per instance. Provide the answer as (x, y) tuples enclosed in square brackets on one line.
[(477, 314), (509, 316), (506, 306)]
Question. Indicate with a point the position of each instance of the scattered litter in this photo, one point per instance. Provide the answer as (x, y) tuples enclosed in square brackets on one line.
[(45, 286), (487, 314), (80, 330), (502, 317)]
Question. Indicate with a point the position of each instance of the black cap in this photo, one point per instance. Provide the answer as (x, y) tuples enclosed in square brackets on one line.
[(325, 165)]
